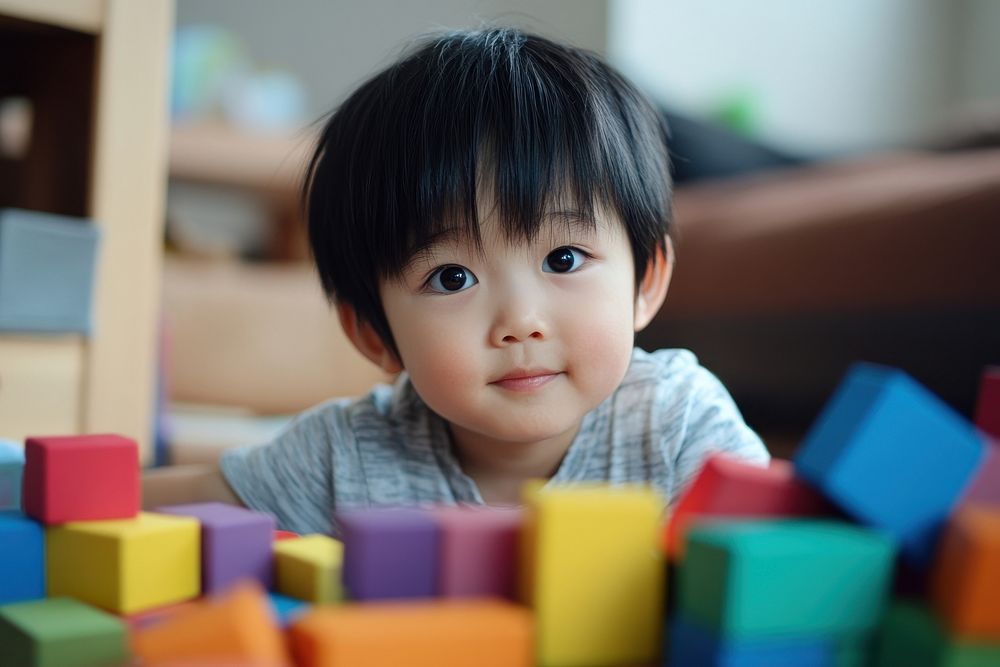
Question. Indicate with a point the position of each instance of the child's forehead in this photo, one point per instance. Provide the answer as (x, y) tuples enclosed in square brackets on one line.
[(553, 225)]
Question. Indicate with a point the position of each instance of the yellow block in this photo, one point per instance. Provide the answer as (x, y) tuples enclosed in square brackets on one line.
[(127, 565), (592, 569), (308, 568)]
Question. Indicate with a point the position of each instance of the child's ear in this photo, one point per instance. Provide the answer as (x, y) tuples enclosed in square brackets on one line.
[(653, 288), (366, 340)]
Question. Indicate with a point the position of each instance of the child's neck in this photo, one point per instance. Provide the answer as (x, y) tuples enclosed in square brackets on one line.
[(501, 468)]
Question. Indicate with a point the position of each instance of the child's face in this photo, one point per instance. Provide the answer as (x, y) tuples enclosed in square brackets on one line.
[(518, 343)]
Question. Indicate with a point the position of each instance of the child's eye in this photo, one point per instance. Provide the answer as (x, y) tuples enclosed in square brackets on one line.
[(451, 278), (563, 260)]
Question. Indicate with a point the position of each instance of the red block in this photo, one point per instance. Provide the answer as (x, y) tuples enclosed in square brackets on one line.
[(81, 478), (284, 535), (478, 551), (728, 487), (988, 405)]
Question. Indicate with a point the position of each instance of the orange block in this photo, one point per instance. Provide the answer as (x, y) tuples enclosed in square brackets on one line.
[(445, 633), (965, 584), (237, 628)]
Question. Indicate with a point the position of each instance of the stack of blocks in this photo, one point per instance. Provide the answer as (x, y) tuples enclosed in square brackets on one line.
[(791, 564)]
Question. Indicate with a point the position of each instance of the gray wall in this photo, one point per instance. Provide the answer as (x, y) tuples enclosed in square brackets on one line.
[(334, 45)]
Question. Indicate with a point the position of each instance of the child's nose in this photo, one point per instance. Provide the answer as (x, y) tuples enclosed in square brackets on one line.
[(521, 318)]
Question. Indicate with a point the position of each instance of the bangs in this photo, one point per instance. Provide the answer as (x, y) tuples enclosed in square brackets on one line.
[(531, 133)]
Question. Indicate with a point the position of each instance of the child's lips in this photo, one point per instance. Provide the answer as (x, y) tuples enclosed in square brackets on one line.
[(526, 380)]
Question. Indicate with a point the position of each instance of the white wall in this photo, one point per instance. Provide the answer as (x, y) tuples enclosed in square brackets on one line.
[(826, 76)]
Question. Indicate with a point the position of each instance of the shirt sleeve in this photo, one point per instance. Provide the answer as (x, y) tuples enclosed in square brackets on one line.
[(291, 477), (713, 425)]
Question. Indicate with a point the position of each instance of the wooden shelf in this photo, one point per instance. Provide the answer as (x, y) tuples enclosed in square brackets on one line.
[(107, 62), (80, 15), (218, 154)]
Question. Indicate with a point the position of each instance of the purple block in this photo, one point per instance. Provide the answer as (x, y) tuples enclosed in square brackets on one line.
[(478, 551), (389, 553), (236, 544)]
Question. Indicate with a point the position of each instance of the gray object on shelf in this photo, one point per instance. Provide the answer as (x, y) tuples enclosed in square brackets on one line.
[(47, 267)]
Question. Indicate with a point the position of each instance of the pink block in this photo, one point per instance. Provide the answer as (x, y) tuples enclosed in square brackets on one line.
[(988, 405), (985, 486), (478, 556), (729, 487), (80, 478)]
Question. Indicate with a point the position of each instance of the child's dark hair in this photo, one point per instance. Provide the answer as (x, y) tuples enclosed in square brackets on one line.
[(537, 123)]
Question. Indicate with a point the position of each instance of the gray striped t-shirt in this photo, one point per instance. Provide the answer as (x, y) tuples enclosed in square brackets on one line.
[(389, 448)]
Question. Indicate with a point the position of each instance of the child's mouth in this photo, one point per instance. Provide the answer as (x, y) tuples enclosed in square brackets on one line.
[(526, 380)]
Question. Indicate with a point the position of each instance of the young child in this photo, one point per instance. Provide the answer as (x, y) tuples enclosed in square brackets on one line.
[(491, 216)]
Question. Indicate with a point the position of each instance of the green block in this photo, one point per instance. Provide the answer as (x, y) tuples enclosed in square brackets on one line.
[(854, 653), (60, 632), (912, 636), (755, 579)]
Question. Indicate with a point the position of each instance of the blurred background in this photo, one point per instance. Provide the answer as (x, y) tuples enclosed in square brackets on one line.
[(837, 173)]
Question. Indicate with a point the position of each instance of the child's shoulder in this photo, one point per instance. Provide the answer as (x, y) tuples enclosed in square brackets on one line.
[(674, 365)]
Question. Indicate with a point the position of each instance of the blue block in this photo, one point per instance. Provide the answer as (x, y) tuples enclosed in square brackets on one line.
[(22, 558), (287, 609), (691, 644), (11, 473), (891, 455), (47, 268)]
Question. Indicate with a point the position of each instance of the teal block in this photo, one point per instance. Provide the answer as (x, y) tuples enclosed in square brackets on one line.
[(892, 456), (756, 579), (913, 637), (60, 632), (11, 474)]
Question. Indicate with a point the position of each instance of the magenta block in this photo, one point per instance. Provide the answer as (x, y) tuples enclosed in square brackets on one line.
[(478, 551), (389, 553), (985, 487), (988, 404), (236, 544)]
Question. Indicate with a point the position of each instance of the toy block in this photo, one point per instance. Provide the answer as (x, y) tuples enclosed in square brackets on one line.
[(60, 632), (309, 568), (729, 487), (81, 478), (985, 487), (286, 609), (478, 551), (284, 535), (128, 565), (892, 456), (22, 558), (758, 579), (234, 629), (438, 633), (913, 637), (11, 473), (235, 544), (389, 553), (965, 584), (988, 403), (692, 644), (592, 570)]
